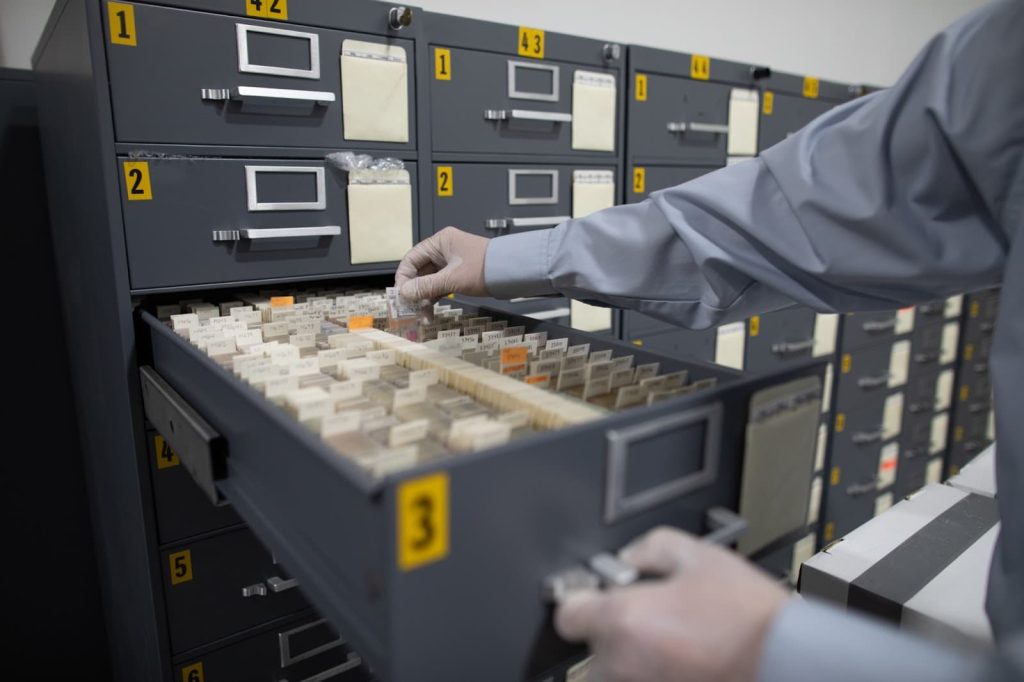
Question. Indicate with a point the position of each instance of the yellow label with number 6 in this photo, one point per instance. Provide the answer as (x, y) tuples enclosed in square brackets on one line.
[(767, 102), (700, 67), (811, 86), (640, 91), (442, 64), (639, 179), (531, 42), (165, 456), (193, 673), (122, 23), (445, 181), (181, 566), (422, 517), (136, 181)]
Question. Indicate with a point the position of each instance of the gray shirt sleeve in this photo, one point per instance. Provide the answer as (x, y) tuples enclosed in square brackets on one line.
[(902, 196)]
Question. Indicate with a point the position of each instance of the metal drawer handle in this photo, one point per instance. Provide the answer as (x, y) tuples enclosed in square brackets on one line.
[(913, 453), (931, 308), (275, 233), (923, 406), (987, 327), (353, 662), (873, 382), (278, 585), (284, 641), (244, 92), (526, 115), (508, 223), (922, 358), (975, 408), (786, 347), (858, 489), (257, 590), (697, 127), (981, 367), (864, 437), (873, 326)]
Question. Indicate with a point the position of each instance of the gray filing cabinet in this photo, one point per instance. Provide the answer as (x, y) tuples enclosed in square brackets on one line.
[(789, 102)]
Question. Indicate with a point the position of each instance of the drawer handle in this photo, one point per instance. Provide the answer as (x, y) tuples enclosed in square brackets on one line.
[(275, 233), (875, 326), (697, 127), (787, 347), (249, 92), (257, 590), (987, 327), (923, 406), (873, 382), (975, 408), (923, 358), (914, 453), (931, 308), (526, 115), (284, 642), (278, 585), (509, 223), (858, 489), (353, 662), (865, 437), (981, 368), (552, 314)]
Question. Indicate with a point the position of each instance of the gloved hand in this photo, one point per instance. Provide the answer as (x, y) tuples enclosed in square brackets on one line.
[(704, 621), (450, 262)]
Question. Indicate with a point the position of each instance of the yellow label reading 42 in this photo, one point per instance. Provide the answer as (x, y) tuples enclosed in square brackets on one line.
[(267, 9)]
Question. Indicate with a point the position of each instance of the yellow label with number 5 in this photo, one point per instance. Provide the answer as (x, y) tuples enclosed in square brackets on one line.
[(442, 64), (531, 42), (181, 566), (136, 181), (445, 181), (639, 179), (700, 67), (640, 91), (811, 86), (422, 517), (165, 456), (122, 23), (767, 102), (193, 673)]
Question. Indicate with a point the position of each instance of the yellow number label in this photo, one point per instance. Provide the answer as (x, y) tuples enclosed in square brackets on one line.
[(953, 470), (847, 363), (830, 531), (193, 673), (755, 325), (975, 308), (181, 566), (445, 181), (640, 91), (811, 85), (267, 9), (442, 64), (165, 456), (700, 67), (639, 343), (840, 422), (968, 351), (767, 102), (136, 181), (958, 434), (422, 516), (639, 179), (834, 479), (965, 393), (531, 42), (122, 23)]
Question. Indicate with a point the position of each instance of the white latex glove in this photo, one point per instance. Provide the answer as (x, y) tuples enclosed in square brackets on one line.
[(704, 621), (450, 262)]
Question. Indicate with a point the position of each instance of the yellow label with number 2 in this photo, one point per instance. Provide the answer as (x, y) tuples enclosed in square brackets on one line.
[(422, 519), (445, 181), (531, 42), (122, 23), (639, 180), (136, 181)]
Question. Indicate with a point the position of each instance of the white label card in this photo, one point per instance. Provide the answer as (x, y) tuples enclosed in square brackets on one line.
[(730, 345), (899, 363)]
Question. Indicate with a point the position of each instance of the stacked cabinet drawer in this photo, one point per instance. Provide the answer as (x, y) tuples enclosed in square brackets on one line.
[(525, 129)]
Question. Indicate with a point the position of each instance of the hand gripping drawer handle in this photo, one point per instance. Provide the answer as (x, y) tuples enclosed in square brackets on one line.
[(697, 127), (787, 347), (509, 223), (254, 94), (245, 234), (526, 115)]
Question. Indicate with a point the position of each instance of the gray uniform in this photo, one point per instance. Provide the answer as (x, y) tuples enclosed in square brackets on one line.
[(906, 195)]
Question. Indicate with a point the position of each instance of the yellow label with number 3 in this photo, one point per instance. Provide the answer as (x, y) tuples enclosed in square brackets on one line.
[(136, 181), (640, 91), (122, 23), (181, 566), (639, 179), (193, 673), (445, 181), (811, 86), (442, 64), (165, 456), (531, 42), (700, 67), (767, 102), (267, 9), (422, 518)]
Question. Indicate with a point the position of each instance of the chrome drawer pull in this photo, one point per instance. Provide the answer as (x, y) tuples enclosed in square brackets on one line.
[(526, 115), (284, 642), (858, 489), (508, 223), (697, 127), (923, 406), (257, 590), (873, 326), (865, 437), (278, 585), (275, 233), (873, 382), (244, 92), (786, 347)]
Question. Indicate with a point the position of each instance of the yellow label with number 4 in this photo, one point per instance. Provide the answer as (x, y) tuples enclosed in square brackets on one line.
[(811, 86), (422, 517), (165, 456), (181, 566), (531, 42), (442, 64), (136, 181), (639, 179), (445, 181), (193, 673), (640, 91), (767, 102), (700, 67), (122, 23)]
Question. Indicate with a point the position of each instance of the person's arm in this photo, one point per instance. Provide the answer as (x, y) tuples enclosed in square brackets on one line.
[(905, 195)]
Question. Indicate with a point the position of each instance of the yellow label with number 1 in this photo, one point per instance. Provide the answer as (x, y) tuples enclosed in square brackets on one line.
[(442, 64), (531, 42), (165, 456), (267, 9), (755, 325), (445, 181), (767, 102), (181, 566), (640, 91), (840, 422), (136, 181), (122, 23), (811, 86), (639, 179), (700, 67), (193, 673), (975, 308), (422, 517)]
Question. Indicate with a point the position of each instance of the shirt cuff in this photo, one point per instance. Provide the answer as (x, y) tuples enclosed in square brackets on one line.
[(517, 265)]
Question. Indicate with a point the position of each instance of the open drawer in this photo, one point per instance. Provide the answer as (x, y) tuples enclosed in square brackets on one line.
[(438, 572)]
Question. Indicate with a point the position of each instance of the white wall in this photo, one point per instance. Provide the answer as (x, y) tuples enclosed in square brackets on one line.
[(857, 41)]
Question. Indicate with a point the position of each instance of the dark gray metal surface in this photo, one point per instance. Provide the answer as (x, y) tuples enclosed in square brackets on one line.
[(789, 114), (782, 336), (657, 177), (866, 379)]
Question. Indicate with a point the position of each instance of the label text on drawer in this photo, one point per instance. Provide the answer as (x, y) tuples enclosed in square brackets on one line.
[(181, 566), (165, 457), (267, 9), (811, 87), (136, 181), (767, 102), (531, 42), (639, 178), (121, 16), (640, 91), (445, 181), (422, 516), (700, 67), (442, 64)]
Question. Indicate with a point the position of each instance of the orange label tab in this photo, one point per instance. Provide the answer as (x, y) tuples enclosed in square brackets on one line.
[(360, 322), (538, 379), (281, 301), (514, 355)]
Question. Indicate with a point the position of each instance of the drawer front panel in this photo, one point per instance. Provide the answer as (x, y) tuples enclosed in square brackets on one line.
[(782, 336), (863, 376), (865, 329), (788, 115), (681, 121), (647, 179)]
